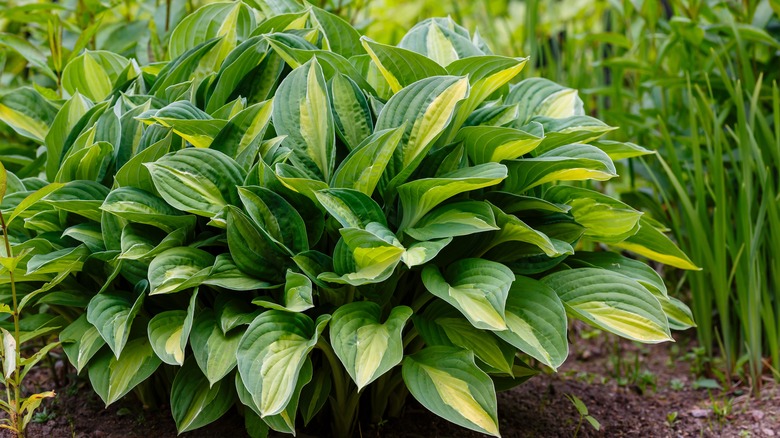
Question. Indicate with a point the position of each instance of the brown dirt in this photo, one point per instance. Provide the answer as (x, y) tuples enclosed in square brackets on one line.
[(654, 383)]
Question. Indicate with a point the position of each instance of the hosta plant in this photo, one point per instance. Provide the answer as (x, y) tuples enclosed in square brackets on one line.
[(284, 215)]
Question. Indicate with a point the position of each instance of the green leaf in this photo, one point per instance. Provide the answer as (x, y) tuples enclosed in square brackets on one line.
[(543, 97), (574, 162), (454, 219), (176, 269), (351, 113), (477, 288), (113, 377), (297, 295), (441, 324), (367, 347), (67, 118), (188, 122), (113, 314), (448, 383), (425, 108), (214, 350), (271, 354), (80, 342), (604, 218), (536, 322), (401, 67), (338, 35), (365, 256), (611, 302), (302, 112), (655, 245), (421, 196), (195, 402), (225, 274), (351, 208), (142, 242), (486, 144), (253, 252), (229, 21), (93, 74), (136, 205), (28, 113), (275, 217), (32, 199), (198, 181), (168, 333), (363, 167)]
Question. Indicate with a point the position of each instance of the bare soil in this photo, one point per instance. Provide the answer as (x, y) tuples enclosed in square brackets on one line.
[(630, 389)]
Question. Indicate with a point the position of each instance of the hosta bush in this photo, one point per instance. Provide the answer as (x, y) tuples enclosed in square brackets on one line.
[(285, 215)]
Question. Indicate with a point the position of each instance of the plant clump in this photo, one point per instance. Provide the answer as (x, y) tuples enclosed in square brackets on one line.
[(285, 215)]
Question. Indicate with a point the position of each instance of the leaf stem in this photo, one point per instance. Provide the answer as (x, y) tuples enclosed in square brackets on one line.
[(16, 415)]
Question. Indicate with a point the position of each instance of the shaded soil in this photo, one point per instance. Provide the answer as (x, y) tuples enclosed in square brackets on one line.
[(632, 390)]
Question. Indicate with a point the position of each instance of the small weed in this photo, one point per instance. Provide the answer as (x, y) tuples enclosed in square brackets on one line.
[(583, 411), (671, 418), (677, 385), (43, 416)]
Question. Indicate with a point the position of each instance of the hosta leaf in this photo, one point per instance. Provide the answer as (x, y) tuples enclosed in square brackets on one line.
[(80, 342), (169, 332), (454, 219), (351, 113), (487, 74), (188, 122), (231, 21), (421, 196), (113, 314), (113, 377), (536, 322), (141, 242), (226, 274), (618, 150), (641, 272), (363, 167), (441, 324), (54, 262), (140, 206), (28, 113), (93, 74), (339, 36), (543, 97), (237, 65), (284, 421), (425, 108), (179, 268), (180, 69), (575, 129), (198, 181), (611, 302), (297, 295), (365, 256), (67, 118), (486, 144), (240, 138), (195, 402), (367, 347), (512, 229), (351, 208), (214, 350), (271, 354), (448, 383), (477, 288), (253, 252), (303, 113), (604, 218), (401, 67), (276, 217), (655, 245), (441, 40), (574, 162)]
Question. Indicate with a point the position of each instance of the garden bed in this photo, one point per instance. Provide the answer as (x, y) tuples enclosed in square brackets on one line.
[(640, 400)]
